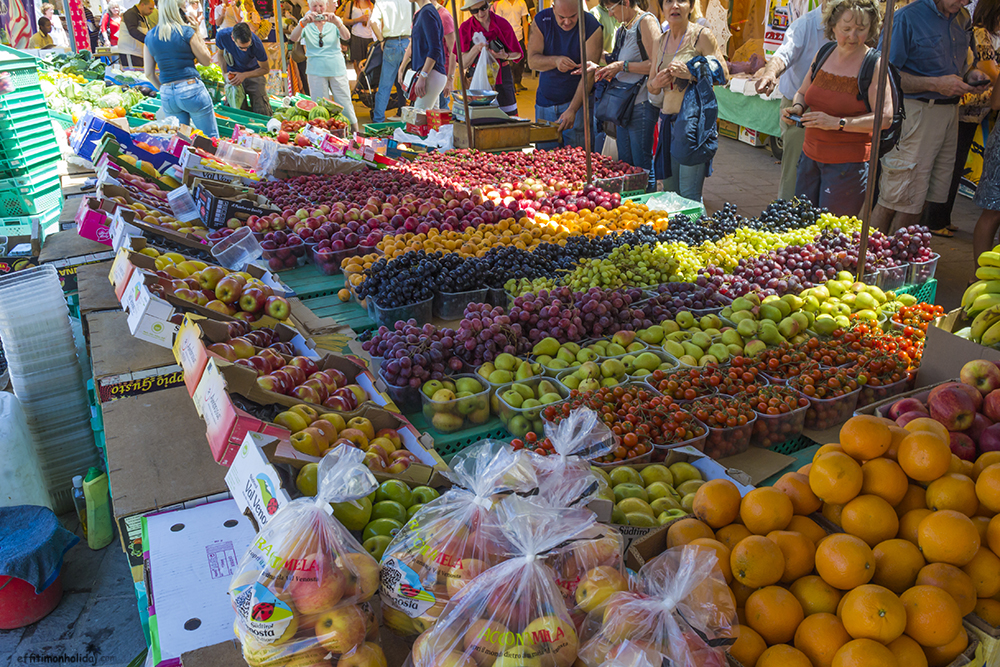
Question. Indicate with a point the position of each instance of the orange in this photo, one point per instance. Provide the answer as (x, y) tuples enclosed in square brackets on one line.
[(885, 479), (721, 554), (826, 449), (757, 561), (741, 592), (956, 465), (749, 645), (783, 655), (808, 527), (835, 478), (805, 469), (989, 611), (864, 653), (799, 552), (832, 512), (909, 523), (897, 564), (926, 424), (845, 561), (871, 518), (988, 487), (717, 503), (993, 535), (932, 616), (924, 456), (898, 433), (915, 499), (820, 636), (815, 595), (685, 530), (774, 613), (985, 460), (766, 509), (984, 568), (953, 492), (873, 612), (982, 524), (948, 536), (865, 437), (908, 652), (943, 656), (732, 534), (796, 487), (953, 581)]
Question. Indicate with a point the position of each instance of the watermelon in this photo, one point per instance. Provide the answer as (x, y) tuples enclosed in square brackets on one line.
[(319, 112), (305, 105), (331, 106)]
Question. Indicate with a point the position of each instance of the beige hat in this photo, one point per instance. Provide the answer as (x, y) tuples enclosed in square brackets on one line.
[(472, 3)]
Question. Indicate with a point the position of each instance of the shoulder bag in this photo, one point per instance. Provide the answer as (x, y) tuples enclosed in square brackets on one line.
[(614, 101)]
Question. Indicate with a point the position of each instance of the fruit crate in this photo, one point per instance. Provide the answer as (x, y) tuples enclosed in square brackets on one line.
[(924, 293), (20, 158), (28, 195), (349, 313), (65, 120), (22, 68), (376, 127), (13, 134), (48, 222), (449, 444), (793, 445), (24, 105)]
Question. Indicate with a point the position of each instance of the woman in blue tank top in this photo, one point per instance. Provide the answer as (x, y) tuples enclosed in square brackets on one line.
[(172, 46)]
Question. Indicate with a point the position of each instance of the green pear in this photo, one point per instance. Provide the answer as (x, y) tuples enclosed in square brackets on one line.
[(469, 385), (720, 352), (524, 390), (485, 370), (647, 361), (543, 360), (505, 362), (702, 340), (590, 384), (557, 364), (431, 387), (546, 387), (586, 355), (612, 368), (572, 347), (747, 328), (524, 371), (614, 350), (692, 350), (566, 355), (741, 303), (547, 346), (769, 312), (685, 319), (512, 398), (710, 321), (500, 377), (635, 347), (673, 348), (551, 397), (754, 348), (571, 381), (669, 327), (732, 337), (652, 335)]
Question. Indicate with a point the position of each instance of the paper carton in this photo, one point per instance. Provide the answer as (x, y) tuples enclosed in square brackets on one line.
[(217, 204), (93, 219), (945, 353), (124, 365)]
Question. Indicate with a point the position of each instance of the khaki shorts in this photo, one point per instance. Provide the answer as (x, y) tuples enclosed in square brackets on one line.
[(920, 167)]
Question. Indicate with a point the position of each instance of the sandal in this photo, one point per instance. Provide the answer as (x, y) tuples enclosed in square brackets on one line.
[(944, 231)]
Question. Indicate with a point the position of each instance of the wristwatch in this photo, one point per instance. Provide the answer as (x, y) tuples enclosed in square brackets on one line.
[(625, 66), (423, 75), (843, 122)]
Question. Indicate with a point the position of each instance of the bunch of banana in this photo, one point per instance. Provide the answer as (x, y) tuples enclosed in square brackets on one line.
[(985, 293)]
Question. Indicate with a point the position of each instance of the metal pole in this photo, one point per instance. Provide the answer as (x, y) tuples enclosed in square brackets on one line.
[(587, 139), (283, 58), (461, 75), (883, 69)]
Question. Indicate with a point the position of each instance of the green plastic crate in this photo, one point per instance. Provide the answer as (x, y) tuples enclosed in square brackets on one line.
[(48, 223), (22, 106), (794, 445), (924, 293), (23, 131), (375, 127), (41, 152), (64, 120), (28, 195), (449, 444), (22, 67)]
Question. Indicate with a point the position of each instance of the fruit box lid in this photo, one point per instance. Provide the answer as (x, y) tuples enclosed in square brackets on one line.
[(257, 487), (945, 353), (191, 557), (115, 352)]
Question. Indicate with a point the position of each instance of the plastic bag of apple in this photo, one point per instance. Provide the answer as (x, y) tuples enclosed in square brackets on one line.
[(300, 592), (513, 614), (451, 539), (680, 613)]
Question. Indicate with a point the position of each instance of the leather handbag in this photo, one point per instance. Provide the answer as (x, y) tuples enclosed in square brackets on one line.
[(614, 100)]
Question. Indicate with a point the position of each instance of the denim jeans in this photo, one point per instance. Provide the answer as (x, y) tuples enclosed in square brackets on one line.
[(189, 102), (392, 58), (838, 187), (635, 140), (571, 137)]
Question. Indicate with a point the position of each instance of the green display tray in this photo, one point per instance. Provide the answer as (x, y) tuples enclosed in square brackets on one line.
[(449, 444), (802, 457), (308, 281), (924, 293)]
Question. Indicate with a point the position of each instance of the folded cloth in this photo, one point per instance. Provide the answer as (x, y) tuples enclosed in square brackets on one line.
[(32, 544)]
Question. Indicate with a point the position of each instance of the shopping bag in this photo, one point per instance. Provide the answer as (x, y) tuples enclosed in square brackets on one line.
[(513, 613), (235, 96), (485, 74), (300, 592), (451, 538)]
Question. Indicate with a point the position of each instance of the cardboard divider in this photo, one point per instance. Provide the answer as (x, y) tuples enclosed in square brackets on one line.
[(944, 351), (124, 365), (94, 291)]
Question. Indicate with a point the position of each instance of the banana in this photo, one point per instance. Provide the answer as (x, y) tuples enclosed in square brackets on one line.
[(964, 333), (973, 292), (984, 321), (982, 302), (992, 335), (990, 258), (988, 273)]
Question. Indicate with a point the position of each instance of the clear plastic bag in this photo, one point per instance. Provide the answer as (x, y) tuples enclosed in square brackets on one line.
[(300, 592), (452, 538), (683, 611), (511, 615), (628, 654), (485, 74), (566, 479)]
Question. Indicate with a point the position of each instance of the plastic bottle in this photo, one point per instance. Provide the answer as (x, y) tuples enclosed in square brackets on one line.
[(80, 502), (95, 490)]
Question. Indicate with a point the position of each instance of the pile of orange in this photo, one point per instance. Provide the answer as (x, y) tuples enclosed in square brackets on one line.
[(629, 216), (920, 550)]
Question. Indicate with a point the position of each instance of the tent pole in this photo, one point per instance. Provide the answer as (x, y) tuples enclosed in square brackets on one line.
[(461, 76), (581, 24)]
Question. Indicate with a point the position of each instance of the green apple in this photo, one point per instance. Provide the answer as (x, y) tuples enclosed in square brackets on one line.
[(689, 486), (354, 514), (656, 473), (431, 387), (640, 519), (602, 474), (394, 489), (687, 502), (376, 545), (424, 494), (385, 527), (629, 490), (618, 517), (389, 509), (682, 472), (670, 515), (663, 504), (305, 481), (625, 475), (413, 510), (661, 490)]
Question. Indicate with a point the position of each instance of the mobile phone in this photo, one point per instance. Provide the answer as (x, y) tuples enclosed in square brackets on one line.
[(795, 118)]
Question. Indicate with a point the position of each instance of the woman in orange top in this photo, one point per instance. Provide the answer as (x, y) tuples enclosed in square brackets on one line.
[(833, 169)]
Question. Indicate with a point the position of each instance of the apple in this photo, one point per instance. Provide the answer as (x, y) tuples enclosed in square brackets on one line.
[(359, 392), (373, 461), (368, 654), (209, 277), (338, 403), (597, 585), (991, 405), (981, 374), (464, 571), (989, 439), (484, 640), (335, 419), (342, 629), (559, 634), (398, 466), (291, 420), (243, 348), (376, 545), (311, 441), (260, 364), (905, 418), (325, 379), (252, 300), (277, 307), (952, 406), (318, 589), (307, 365), (357, 438), (363, 425), (337, 376), (315, 385), (384, 445), (362, 575), (962, 445), (390, 434), (328, 429), (228, 290), (274, 359), (223, 350), (306, 393), (294, 372), (905, 405), (979, 423), (271, 383)]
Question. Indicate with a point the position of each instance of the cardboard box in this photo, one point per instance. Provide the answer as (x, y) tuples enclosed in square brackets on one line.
[(945, 353), (219, 203), (881, 409), (191, 556), (124, 365), (93, 219), (94, 290), (150, 318), (752, 137), (730, 130), (157, 460)]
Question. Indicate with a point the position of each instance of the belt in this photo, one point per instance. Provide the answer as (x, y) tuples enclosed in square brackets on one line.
[(386, 39), (948, 101), (179, 83)]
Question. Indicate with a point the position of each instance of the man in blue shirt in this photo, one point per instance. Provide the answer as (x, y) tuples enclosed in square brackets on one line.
[(243, 61), (930, 47)]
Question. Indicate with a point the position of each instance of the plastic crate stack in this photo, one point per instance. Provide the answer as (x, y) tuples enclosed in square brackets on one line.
[(29, 182)]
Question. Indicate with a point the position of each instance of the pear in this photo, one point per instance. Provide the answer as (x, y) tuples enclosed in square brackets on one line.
[(687, 360), (543, 359), (614, 350), (505, 362), (732, 337), (546, 387), (673, 348), (485, 370), (707, 359), (571, 381), (647, 361), (628, 361), (788, 327), (735, 350), (832, 288), (565, 355), (710, 321), (752, 298), (590, 384), (547, 346), (635, 347), (512, 398), (449, 385), (782, 307), (742, 315), (572, 347), (669, 327), (524, 390), (623, 338), (769, 312), (500, 377), (524, 371), (741, 303), (551, 397), (585, 355), (588, 370), (719, 351), (653, 335), (702, 340), (747, 327), (801, 318), (679, 336), (530, 403), (771, 336), (824, 325), (609, 382), (612, 368), (692, 350), (557, 364), (685, 319), (754, 347)]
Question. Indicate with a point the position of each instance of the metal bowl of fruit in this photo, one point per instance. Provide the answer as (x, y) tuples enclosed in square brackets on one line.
[(476, 98)]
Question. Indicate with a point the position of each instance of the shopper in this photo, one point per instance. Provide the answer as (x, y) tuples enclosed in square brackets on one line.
[(59, 35), (43, 38), (427, 58), (987, 17), (630, 65), (228, 14), (359, 13), (495, 29), (390, 23), (791, 63), (554, 52), (171, 49), (93, 30), (833, 169), (320, 32), (450, 52), (669, 79), (110, 22), (515, 12), (130, 40), (609, 24), (243, 60), (930, 48)]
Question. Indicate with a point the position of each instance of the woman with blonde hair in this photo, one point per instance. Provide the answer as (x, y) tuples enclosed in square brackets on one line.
[(833, 168), (172, 47), (320, 31), (59, 36)]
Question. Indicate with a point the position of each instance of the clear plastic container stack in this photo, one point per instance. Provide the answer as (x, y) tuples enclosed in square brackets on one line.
[(46, 378)]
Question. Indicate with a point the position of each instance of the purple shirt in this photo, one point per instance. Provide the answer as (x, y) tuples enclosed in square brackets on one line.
[(500, 29)]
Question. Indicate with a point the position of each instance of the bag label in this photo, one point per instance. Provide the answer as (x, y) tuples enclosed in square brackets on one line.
[(262, 613), (402, 589)]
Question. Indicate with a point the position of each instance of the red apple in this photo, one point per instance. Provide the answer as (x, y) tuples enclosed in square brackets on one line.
[(306, 393), (991, 405), (989, 439), (305, 363), (338, 403), (337, 376), (905, 418), (962, 446), (271, 383), (981, 374), (229, 289), (905, 405), (317, 386), (952, 406), (970, 391), (298, 377), (243, 348), (252, 300), (286, 380), (223, 350), (979, 423), (277, 307)]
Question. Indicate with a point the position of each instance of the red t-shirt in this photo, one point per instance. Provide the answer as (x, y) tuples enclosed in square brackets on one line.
[(110, 26), (448, 23), (500, 29)]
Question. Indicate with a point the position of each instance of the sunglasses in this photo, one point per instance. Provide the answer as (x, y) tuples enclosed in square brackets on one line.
[(480, 10)]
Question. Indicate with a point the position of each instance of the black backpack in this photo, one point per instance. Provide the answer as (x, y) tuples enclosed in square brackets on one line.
[(891, 135)]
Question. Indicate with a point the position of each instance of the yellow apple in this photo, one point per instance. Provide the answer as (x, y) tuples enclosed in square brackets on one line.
[(451, 659), (362, 424), (484, 640), (398, 621), (597, 585), (263, 655), (520, 656), (426, 620), (385, 443), (340, 630), (361, 574), (368, 654), (317, 589), (307, 411), (464, 571), (335, 419), (559, 635)]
